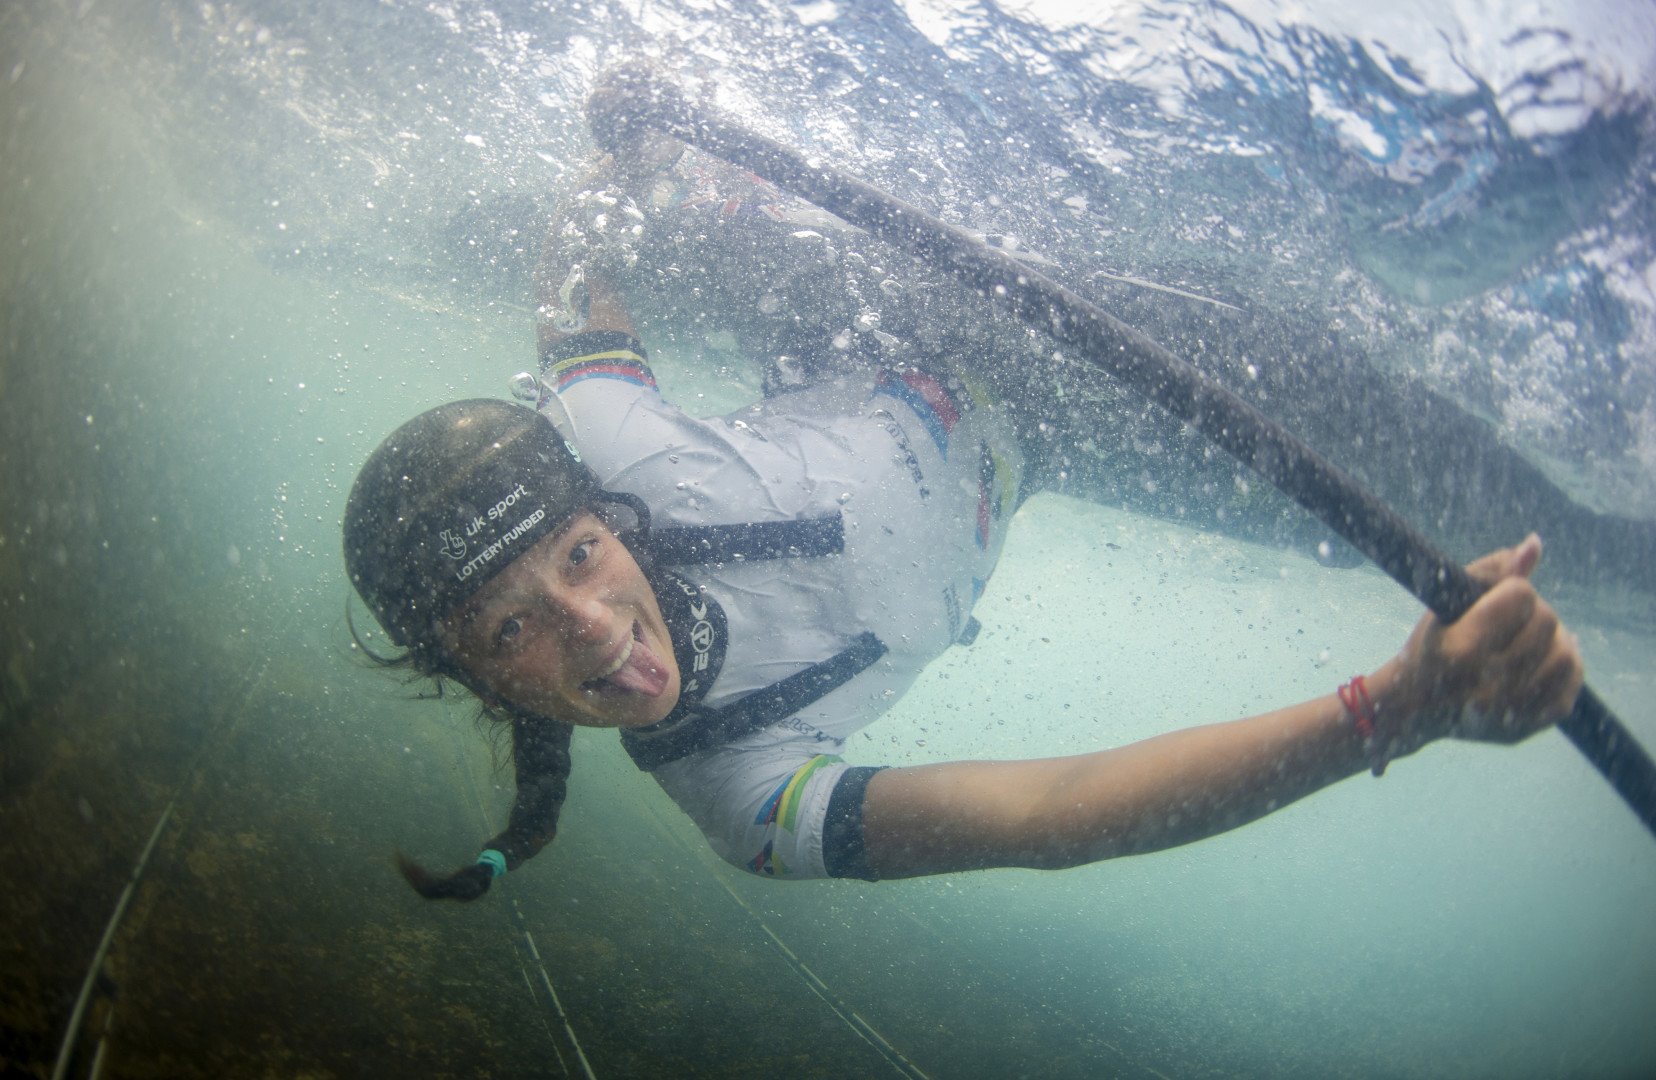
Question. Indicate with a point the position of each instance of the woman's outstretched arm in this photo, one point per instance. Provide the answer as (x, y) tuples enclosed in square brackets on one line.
[(1502, 672), (594, 229)]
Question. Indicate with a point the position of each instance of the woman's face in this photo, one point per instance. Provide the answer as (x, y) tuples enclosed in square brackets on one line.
[(570, 630)]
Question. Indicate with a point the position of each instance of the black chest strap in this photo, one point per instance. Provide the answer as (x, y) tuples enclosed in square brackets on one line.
[(699, 632), (701, 729), (687, 545)]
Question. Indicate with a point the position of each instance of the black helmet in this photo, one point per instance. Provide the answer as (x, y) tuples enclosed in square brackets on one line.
[(448, 500)]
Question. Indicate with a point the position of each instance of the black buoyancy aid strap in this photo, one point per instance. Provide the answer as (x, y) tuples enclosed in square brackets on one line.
[(682, 545), (760, 709)]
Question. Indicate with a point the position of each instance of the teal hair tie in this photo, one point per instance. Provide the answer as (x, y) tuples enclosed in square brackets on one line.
[(494, 860)]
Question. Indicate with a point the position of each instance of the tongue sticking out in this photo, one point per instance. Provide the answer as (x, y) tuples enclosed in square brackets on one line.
[(643, 673)]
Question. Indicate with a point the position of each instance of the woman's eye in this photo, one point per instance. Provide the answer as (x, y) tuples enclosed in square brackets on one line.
[(581, 552), (509, 630)]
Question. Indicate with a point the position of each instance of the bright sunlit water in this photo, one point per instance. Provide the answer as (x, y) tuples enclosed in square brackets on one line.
[(239, 242)]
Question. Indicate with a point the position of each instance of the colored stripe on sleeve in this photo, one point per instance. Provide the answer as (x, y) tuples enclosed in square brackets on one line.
[(597, 354), (783, 805), (589, 343), (627, 367), (928, 399)]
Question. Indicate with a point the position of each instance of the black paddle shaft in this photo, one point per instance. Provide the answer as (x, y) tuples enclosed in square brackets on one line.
[(627, 104)]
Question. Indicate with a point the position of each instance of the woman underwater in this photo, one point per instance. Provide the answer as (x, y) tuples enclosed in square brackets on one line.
[(738, 595)]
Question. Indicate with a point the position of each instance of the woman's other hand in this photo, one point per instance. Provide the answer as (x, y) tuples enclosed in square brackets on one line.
[(1503, 671)]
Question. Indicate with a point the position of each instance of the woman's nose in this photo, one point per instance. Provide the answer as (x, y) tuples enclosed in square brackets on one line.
[(583, 614)]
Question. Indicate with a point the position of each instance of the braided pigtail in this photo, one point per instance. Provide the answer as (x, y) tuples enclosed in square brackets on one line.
[(540, 756)]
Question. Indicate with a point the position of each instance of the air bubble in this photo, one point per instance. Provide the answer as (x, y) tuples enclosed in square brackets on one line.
[(525, 386)]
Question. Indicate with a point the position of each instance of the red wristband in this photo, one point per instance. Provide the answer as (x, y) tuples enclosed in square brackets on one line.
[(1354, 696)]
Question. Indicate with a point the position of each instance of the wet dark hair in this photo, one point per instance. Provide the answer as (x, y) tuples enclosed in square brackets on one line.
[(540, 755)]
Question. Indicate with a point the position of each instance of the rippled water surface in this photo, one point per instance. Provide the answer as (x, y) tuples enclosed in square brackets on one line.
[(241, 241)]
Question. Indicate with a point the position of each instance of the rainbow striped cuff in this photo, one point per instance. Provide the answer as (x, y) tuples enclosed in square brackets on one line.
[(783, 805), (938, 409), (597, 354)]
